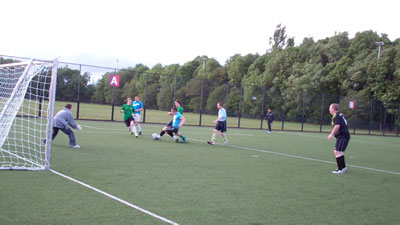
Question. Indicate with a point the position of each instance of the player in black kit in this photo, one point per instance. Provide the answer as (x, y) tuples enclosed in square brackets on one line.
[(341, 132)]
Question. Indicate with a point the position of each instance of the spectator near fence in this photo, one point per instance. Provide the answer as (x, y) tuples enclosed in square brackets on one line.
[(270, 119)]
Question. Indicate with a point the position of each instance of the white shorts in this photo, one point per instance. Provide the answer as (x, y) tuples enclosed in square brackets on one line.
[(136, 117)]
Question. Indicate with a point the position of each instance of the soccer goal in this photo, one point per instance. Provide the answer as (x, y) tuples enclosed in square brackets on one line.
[(27, 95)]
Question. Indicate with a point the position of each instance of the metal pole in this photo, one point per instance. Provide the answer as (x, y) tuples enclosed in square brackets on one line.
[(201, 101), (262, 107), (79, 91), (283, 110), (355, 116), (371, 113), (144, 98), (379, 43), (398, 121), (113, 96), (227, 95), (384, 122), (174, 90), (201, 91), (240, 105), (52, 99), (322, 112), (302, 113), (113, 104)]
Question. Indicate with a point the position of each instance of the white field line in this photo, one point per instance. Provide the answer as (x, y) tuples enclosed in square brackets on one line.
[(300, 157), (115, 198)]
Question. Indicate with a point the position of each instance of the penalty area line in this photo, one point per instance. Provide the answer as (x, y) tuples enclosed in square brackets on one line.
[(301, 157), (115, 198)]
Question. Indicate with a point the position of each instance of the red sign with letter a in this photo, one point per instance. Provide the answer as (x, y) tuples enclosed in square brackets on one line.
[(113, 80)]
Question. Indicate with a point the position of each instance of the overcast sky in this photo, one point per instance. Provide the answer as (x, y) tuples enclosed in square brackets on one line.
[(176, 31)]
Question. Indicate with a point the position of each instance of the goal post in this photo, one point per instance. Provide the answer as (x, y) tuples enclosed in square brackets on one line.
[(27, 96)]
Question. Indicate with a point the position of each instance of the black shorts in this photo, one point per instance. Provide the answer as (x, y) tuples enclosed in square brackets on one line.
[(221, 126), (172, 129), (341, 143), (128, 121), (169, 124)]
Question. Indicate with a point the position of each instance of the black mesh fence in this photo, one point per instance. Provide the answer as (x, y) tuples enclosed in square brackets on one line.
[(87, 87)]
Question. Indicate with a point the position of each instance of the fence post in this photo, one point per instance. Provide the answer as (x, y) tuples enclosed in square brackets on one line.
[(355, 115), (144, 99), (112, 101), (283, 110), (174, 90), (398, 121), (322, 112), (380, 118), (240, 105), (384, 121), (227, 95), (79, 91), (262, 108), (201, 100), (371, 112), (302, 113)]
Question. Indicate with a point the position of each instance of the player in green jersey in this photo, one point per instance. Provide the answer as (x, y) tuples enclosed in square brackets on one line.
[(127, 109)]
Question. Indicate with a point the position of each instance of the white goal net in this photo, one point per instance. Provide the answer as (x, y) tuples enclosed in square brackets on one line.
[(27, 93)]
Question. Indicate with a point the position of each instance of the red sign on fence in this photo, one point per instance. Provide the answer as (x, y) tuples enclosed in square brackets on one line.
[(113, 80)]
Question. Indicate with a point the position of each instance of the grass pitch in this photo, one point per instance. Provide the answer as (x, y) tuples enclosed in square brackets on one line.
[(259, 178)]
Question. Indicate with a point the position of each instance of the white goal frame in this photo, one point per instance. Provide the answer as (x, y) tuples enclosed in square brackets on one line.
[(25, 127)]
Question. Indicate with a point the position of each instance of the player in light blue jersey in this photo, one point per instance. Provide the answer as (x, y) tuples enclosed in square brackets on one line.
[(220, 125), (138, 107)]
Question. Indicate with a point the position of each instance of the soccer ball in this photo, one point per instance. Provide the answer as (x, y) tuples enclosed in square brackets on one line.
[(155, 136)]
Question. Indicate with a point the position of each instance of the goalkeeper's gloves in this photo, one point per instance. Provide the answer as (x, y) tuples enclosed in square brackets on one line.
[(79, 127)]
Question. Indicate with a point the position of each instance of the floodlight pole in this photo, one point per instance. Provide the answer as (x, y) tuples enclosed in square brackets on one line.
[(113, 96), (79, 91), (379, 43), (201, 91)]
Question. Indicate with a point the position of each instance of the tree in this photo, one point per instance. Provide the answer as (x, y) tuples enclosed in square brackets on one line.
[(278, 40), (237, 67)]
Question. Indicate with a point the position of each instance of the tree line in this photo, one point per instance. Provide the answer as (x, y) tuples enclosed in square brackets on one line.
[(337, 66)]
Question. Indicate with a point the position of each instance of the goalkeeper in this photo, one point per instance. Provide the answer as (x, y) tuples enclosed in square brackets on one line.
[(62, 121)]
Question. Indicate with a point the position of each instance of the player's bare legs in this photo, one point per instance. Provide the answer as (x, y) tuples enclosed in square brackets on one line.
[(224, 137), (132, 128)]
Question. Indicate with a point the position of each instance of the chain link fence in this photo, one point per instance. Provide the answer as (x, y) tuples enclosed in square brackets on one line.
[(246, 105)]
